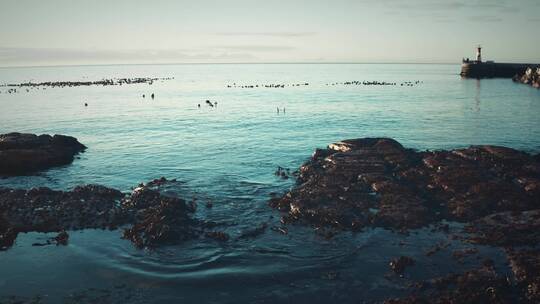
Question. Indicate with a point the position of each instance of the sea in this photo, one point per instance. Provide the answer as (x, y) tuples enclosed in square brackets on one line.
[(264, 116)]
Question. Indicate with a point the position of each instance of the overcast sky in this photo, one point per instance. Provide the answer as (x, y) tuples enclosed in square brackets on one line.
[(57, 32)]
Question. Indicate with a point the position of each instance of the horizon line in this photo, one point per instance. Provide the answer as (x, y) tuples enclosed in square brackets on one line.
[(216, 63)]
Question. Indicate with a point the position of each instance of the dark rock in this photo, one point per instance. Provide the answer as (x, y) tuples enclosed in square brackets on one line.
[(158, 220), (284, 173), (153, 218), (217, 235), (398, 265), (26, 153), (61, 239), (525, 265), (461, 254), (483, 285), (254, 232), (506, 229), (530, 76), (377, 182), (7, 234)]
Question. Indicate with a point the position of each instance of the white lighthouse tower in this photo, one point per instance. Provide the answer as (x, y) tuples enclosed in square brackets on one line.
[(479, 54)]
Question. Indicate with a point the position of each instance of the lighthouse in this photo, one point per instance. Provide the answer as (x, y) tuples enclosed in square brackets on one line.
[(479, 54)]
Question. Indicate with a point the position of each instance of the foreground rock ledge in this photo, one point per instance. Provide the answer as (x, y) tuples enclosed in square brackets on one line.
[(149, 217), (22, 153), (376, 182)]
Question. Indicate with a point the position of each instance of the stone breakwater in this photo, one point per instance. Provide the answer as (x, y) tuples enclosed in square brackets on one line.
[(27, 153), (531, 76), (375, 182)]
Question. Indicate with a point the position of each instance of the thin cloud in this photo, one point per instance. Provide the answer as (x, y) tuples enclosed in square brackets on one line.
[(26, 56), (485, 19), (446, 5), (270, 34), (256, 48)]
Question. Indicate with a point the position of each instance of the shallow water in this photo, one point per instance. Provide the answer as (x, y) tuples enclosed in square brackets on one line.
[(228, 155)]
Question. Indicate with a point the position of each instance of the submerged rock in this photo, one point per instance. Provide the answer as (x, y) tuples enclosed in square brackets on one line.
[(22, 153), (482, 285), (506, 229), (398, 265), (376, 182)]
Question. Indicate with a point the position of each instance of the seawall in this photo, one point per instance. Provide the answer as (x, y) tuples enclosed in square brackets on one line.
[(492, 69)]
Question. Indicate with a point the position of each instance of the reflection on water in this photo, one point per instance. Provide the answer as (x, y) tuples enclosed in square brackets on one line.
[(477, 96), (228, 154)]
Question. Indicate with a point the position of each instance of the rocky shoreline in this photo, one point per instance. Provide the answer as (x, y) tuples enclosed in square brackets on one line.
[(375, 182), (351, 186), (148, 217)]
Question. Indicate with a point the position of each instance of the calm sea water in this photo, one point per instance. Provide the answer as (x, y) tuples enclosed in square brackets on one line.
[(228, 155)]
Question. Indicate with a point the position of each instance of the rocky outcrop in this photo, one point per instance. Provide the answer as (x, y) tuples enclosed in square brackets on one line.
[(531, 76), (27, 153), (376, 182), (158, 219), (150, 218)]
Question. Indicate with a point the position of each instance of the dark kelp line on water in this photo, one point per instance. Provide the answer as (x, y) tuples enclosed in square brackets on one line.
[(343, 83), (12, 87), (353, 185)]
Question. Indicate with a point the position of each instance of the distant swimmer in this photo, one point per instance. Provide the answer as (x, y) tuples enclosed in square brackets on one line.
[(215, 104), (208, 102), (143, 96), (199, 105), (152, 95), (85, 104)]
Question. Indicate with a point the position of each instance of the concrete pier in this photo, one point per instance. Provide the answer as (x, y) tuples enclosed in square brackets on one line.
[(489, 69)]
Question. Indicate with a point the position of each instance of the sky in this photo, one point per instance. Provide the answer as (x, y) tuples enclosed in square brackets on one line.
[(73, 32)]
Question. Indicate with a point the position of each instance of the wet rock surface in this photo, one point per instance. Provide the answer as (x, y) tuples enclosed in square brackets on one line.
[(531, 76), (22, 153), (376, 182), (149, 218), (158, 219)]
